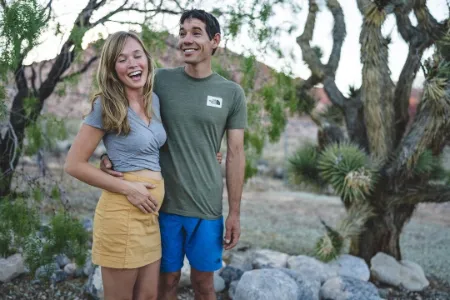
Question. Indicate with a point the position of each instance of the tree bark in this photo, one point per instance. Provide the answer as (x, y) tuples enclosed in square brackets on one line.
[(382, 234)]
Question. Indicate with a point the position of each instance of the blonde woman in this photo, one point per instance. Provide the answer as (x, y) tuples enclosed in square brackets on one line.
[(125, 114)]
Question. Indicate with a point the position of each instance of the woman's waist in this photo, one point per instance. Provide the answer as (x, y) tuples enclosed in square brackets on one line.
[(143, 175)]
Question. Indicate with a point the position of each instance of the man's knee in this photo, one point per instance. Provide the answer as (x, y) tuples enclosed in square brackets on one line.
[(202, 282), (169, 281)]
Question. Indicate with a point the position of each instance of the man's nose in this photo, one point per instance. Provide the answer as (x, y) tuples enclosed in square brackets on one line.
[(188, 39)]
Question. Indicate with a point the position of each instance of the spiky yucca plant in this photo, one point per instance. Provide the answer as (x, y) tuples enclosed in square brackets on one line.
[(383, 164)]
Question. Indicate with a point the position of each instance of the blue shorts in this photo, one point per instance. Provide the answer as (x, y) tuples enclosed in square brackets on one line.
[(199, 239)]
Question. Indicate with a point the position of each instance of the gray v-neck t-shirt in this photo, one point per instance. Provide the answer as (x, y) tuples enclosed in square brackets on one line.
[(139, 149)]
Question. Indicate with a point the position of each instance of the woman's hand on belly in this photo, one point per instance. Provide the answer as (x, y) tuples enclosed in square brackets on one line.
[(139, 196)]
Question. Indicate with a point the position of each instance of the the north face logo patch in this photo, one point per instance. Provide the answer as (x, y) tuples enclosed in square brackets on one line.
[(214, 101)]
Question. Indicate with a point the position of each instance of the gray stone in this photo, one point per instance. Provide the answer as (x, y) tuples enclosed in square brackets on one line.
[(230, 274), (62, 260), (219, 283), (46, 271), (94, 285), (311, 267), (351, 266), (265, 258), (88, 224), (406, 274), (70, 269), (242, 260), (308, 288), (88, 267), (348, 288), (232, 289), (11, 267), (58, 276), (266, 284)]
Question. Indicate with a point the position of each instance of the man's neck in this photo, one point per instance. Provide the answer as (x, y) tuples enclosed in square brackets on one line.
[(201, 70)]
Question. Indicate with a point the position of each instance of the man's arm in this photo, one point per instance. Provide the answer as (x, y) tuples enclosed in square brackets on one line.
[(235, 169)]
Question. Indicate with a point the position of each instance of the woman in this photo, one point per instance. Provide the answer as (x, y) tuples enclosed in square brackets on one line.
[(125, 114)]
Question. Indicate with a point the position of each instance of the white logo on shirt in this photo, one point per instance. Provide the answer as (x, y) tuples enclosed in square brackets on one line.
[(214, 101)]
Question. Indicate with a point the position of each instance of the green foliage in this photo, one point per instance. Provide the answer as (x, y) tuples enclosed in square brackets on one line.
[(249, 68), (426, 163), (63, 235), (16, 41), (333, 114), (303, 166), (17, 221), (329, 246), (77, 35), (154, 41), (348, 169), (44, 133), (318, 51), (218, 67)]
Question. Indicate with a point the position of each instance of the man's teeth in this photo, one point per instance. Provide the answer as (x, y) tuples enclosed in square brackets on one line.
[(189, 50)]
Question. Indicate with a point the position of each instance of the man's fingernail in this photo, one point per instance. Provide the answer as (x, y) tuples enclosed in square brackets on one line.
[(227, 241), (108, 165)]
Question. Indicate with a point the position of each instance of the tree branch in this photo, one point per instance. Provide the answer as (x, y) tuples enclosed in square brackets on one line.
[(82, 70), (49, 7), (33, 80), (3, 4), (339, 33), (309, 55), (430, 193)]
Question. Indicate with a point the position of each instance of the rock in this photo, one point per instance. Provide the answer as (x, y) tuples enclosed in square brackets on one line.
[(348, 288), (58, 276), (279, 173), (351, 266), (62, 260), (185, 278), (219, 283), (230, 274), (46, 271), (266, 284), (406, 274), (70, 269), (94, 286), (268, 258), (87, 224), (11, 267), (242, 260), (308, 289), (88, 267), (232, 289), (311, 267)]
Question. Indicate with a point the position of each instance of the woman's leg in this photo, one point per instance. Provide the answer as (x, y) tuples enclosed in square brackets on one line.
[(146, 287), (118, 284)]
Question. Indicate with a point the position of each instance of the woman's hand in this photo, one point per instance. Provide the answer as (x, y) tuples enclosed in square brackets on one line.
[(139, 196)]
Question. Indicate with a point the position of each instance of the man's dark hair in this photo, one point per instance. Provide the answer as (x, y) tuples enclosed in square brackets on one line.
[(211, 24)]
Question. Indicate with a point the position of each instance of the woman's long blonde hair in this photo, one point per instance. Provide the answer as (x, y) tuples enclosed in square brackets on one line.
[(112, 91)]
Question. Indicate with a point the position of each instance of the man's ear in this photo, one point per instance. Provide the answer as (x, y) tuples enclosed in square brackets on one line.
[(216, 41)]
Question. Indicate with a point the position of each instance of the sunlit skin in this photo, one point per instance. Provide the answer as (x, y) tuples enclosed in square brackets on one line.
[(196, 47)]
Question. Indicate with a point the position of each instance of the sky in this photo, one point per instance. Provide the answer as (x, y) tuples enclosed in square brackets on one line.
[(349, 71)]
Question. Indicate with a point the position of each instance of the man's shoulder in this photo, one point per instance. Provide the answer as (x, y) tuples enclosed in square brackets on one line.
[(229, 84), (166, 71)]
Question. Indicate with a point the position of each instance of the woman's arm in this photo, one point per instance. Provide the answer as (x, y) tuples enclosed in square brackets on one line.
[(77, 165)]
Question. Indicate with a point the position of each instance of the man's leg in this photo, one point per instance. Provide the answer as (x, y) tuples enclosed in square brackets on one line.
[(172, 241), (168, 285), (204, 247), (203, 285)]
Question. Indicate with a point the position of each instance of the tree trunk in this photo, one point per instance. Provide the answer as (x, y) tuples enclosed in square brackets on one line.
[(382, 234)]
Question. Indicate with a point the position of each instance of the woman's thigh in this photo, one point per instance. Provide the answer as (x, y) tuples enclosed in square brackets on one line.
[(146, 287), (118, 284)]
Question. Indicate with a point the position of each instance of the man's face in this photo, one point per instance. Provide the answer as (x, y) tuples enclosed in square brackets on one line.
[(194, 42)]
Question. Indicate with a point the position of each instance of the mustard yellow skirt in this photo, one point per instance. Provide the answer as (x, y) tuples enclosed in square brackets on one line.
[(123, 236)]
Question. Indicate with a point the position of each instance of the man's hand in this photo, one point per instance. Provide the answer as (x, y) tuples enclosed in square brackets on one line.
[(232, 231), (106, 166)]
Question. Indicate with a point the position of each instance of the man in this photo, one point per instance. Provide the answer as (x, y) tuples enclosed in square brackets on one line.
[(197, 106)]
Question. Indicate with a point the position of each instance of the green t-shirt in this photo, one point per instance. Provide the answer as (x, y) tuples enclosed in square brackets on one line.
[(195, 113)]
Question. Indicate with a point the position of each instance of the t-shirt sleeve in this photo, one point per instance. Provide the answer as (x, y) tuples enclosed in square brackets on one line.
[(94, 118), (237, 118)]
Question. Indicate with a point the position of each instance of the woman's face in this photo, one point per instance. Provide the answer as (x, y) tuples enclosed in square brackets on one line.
[(132, 65)]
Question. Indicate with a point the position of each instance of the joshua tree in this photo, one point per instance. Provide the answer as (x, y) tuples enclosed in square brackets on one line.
[(381, 163)]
